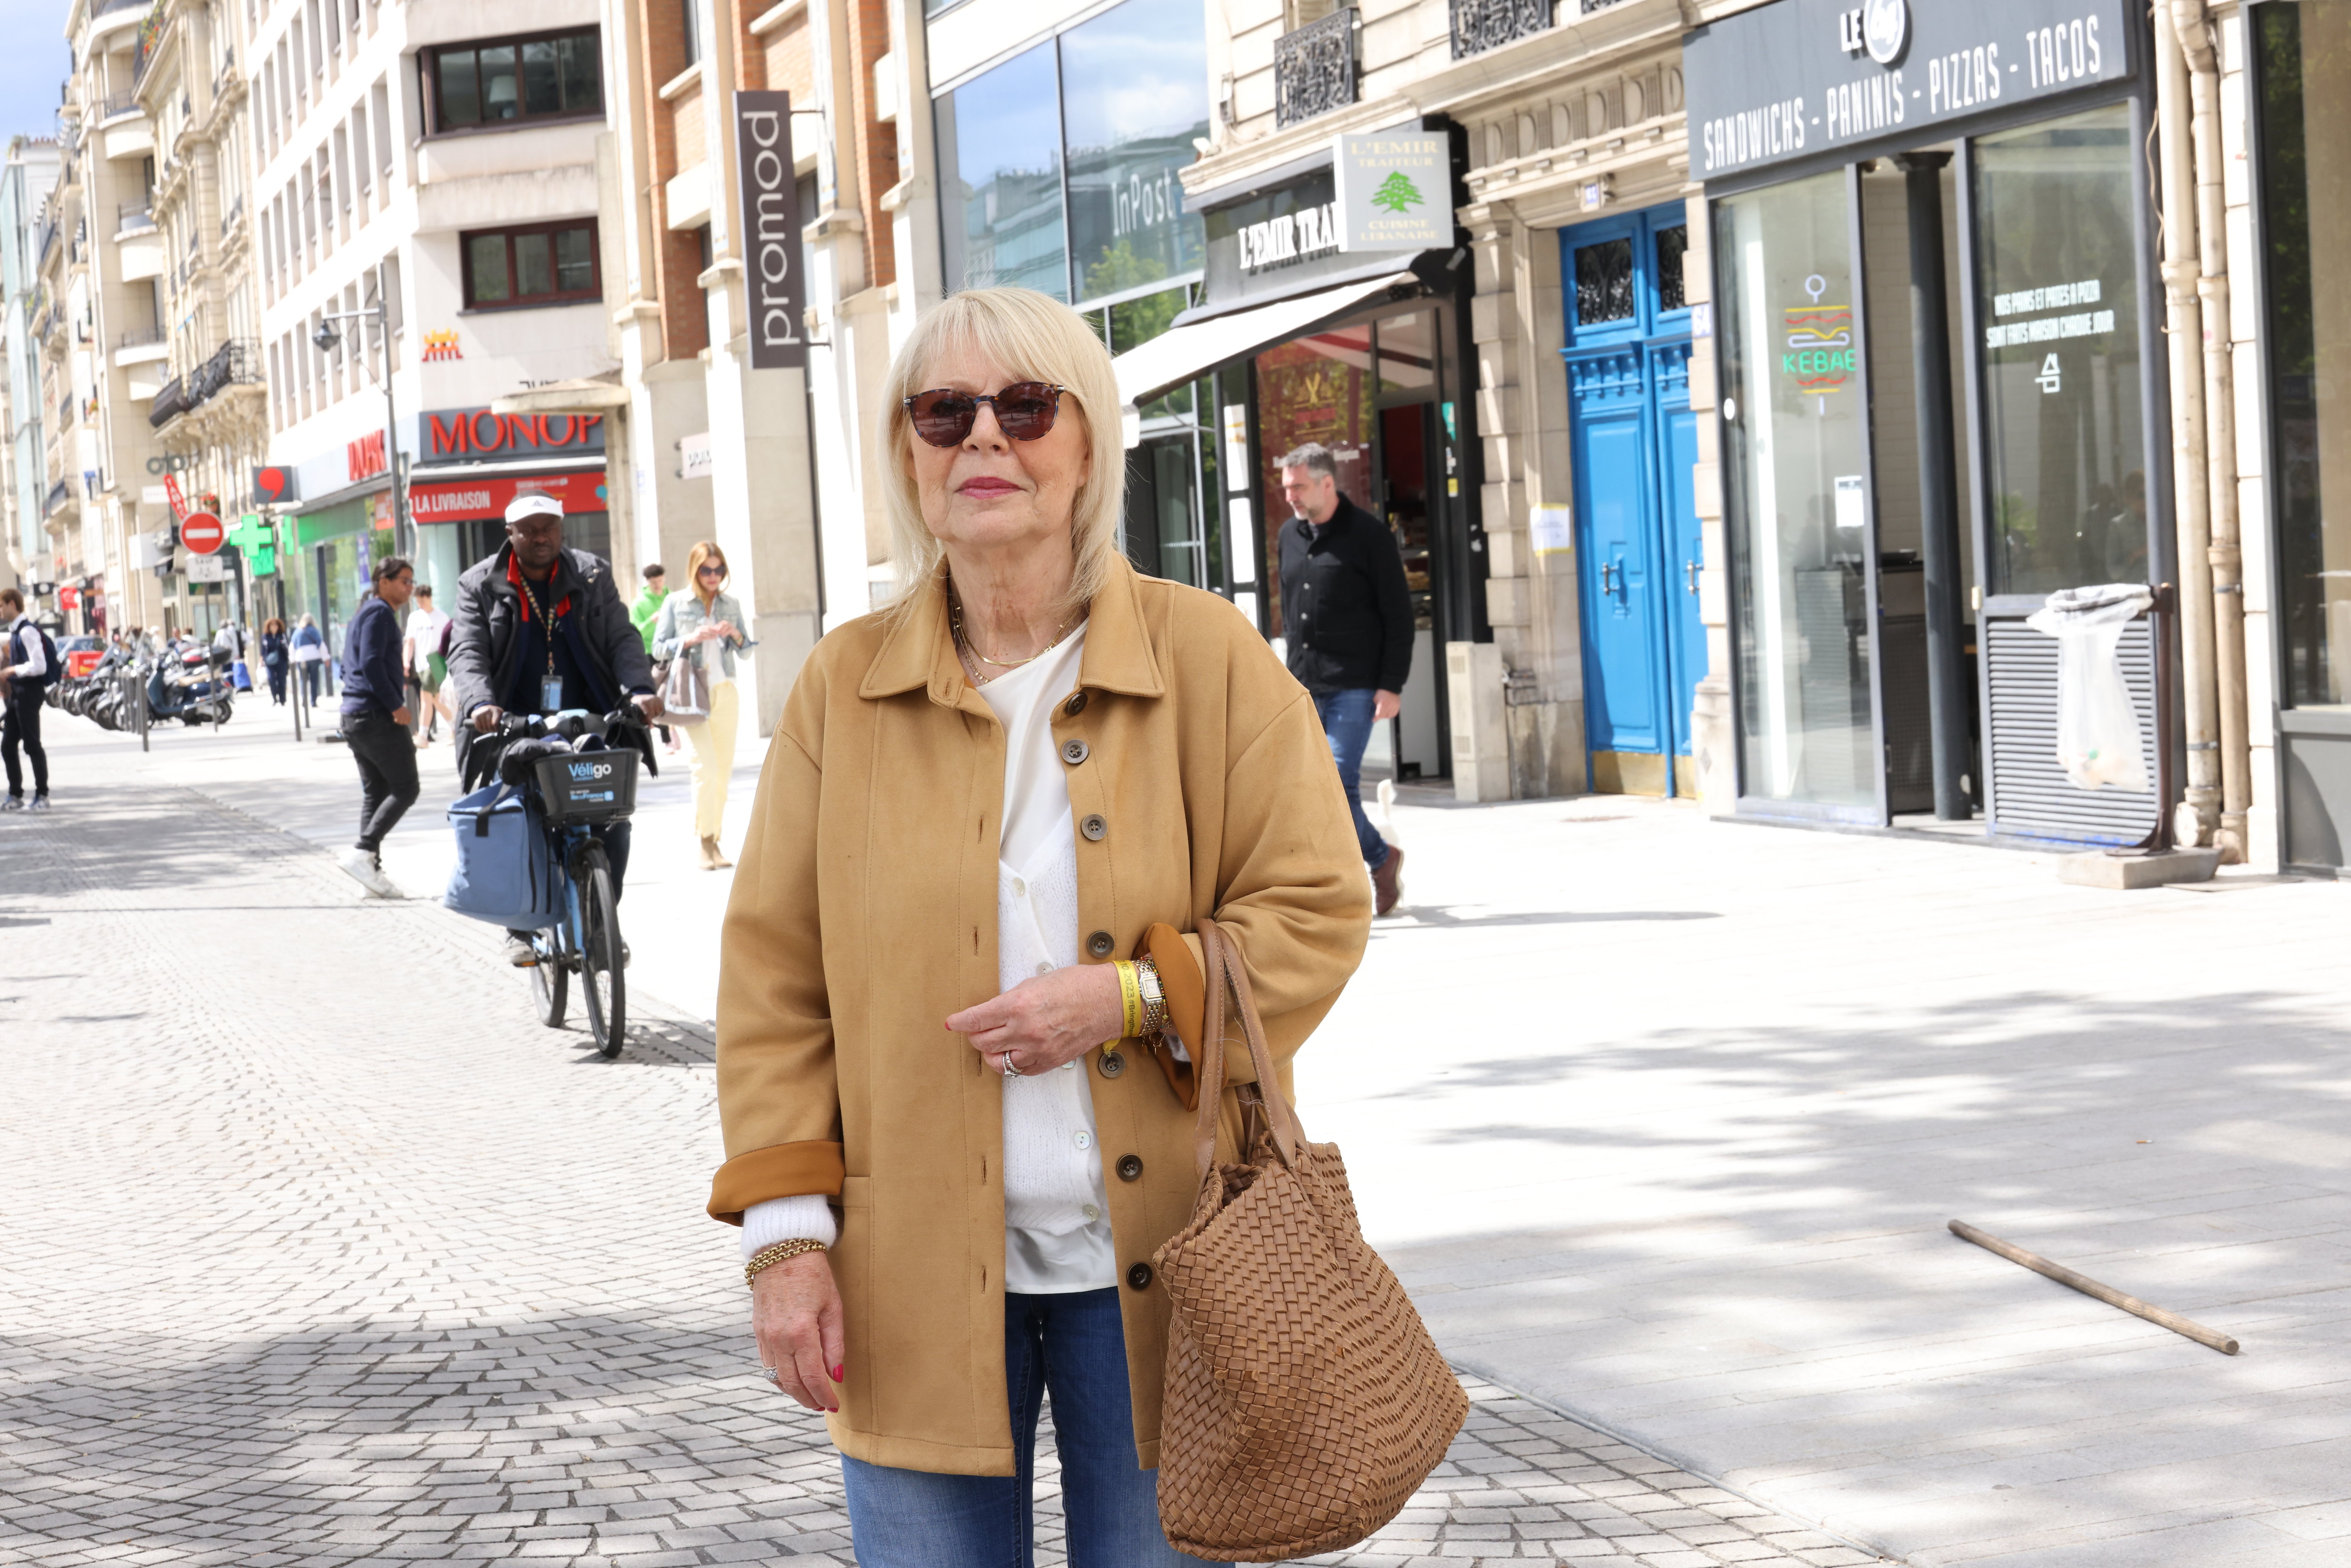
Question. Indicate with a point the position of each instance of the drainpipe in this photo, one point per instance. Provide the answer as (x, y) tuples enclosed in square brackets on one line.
[(2199, 813), (2192, 24)]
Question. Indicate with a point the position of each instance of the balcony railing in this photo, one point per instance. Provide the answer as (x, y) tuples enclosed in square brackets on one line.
[(141, 338), (133, 217), (1482, 24), (229, 218), (236, 362), (169, 403), (57, 496), (117, 103), (1314, 68)]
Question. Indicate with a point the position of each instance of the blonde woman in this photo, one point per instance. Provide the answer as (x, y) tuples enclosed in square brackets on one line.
[(691, 621), (955, 972)]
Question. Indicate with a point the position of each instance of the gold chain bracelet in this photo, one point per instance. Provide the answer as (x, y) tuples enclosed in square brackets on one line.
[(767, 1256)]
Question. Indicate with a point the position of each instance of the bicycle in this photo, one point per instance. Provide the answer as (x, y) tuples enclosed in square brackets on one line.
[(577, 792)]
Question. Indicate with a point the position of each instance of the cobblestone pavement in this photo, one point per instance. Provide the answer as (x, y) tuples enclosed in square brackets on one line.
[(317, 1249)]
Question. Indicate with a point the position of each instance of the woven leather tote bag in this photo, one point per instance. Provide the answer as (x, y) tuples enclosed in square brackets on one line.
[(1305, 1402)]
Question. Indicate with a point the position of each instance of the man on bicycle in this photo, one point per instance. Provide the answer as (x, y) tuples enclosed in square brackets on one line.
[(540, 628)]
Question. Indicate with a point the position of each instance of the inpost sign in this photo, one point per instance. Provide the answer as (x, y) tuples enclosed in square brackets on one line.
[(771, 230), (1799, 78)]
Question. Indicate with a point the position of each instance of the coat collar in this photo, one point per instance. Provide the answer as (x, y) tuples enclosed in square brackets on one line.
[(919, 651)]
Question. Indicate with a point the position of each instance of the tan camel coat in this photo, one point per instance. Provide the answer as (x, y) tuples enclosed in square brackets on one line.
[(864, 913)]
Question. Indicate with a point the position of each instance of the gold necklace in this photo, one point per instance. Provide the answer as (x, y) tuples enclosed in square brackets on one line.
[(964, 641)]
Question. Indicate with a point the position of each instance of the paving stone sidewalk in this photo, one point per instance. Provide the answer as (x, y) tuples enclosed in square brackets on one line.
[(375, 1269)]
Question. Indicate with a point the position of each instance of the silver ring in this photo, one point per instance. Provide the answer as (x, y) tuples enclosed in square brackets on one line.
[(1010, 1070), (770, 1373)]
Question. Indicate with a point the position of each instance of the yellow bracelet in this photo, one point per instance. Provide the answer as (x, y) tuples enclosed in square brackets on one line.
[(767, 1256), (1130, 998)]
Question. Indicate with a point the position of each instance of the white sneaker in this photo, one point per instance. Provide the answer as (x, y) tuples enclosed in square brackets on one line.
[(367, 874)]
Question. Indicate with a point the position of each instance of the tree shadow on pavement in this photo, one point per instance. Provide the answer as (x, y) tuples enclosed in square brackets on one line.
[(1758, 1278)]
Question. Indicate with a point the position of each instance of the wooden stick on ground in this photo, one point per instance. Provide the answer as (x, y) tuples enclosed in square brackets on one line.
[(2089, 1286)]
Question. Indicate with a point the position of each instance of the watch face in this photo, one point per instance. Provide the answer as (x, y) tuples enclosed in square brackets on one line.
[(1885, 28)]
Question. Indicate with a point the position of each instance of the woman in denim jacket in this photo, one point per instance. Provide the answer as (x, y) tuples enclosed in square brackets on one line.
[(691, 621)]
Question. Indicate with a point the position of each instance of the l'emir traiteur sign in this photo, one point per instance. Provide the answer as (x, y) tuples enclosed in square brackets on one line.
[(1801, 77)]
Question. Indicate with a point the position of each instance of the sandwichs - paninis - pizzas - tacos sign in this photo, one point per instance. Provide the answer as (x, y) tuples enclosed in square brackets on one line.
[(1799, 78)]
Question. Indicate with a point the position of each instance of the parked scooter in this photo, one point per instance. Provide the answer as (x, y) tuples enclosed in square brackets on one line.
[(192, 686)]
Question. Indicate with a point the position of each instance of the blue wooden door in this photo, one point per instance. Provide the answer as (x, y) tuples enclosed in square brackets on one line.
[(1685, 544), (1624, 649), (1634, 443)]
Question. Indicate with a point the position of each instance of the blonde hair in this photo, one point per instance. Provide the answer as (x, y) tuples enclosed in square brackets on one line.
[(1029, 336), (700, 553)]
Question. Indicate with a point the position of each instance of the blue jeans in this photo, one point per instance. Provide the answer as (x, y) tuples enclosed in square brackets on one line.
[(1073, 1345), (1347, 720)]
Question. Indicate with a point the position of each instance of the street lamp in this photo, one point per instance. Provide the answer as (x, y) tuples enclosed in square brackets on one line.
[(330, 337)]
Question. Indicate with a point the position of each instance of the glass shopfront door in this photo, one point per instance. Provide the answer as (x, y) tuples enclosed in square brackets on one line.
[(1794, 423)]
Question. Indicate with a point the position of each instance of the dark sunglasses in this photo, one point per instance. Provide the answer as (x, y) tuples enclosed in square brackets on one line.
[(1024, 412)]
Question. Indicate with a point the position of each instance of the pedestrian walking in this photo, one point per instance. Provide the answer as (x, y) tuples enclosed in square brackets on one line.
[(1346, 611), (1136, 761), (427, 648), (375, 722), (31, 668), (273, 657), (702, 623), (540, 628), (649, 603), (309, 656)]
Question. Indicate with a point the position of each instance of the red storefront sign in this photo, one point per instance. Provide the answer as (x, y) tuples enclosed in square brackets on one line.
[(467, 499), (455, 434), (363, 458)]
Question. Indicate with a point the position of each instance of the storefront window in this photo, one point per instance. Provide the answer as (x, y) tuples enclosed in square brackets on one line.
[(2057, 275), (1797, 502), (1408, 353), (1134, 94), (1001, 138), (1314, 388), (2305, 76), (1135, 322)]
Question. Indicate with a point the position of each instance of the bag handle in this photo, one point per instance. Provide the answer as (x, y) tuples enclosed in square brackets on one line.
[(1224, 966)]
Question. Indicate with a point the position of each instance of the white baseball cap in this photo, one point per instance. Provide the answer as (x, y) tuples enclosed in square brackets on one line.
[(533, 504)]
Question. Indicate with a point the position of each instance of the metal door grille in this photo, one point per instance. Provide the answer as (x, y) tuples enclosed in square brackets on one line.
[(2030, 793)]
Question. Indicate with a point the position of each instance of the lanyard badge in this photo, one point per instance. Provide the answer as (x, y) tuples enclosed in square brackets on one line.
[(550, 685)]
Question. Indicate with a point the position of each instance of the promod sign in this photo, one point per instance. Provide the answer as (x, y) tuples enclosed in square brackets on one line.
[(771, 230), (1395, 190)]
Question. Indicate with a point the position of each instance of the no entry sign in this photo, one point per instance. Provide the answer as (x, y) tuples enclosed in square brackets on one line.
[(201, 533)]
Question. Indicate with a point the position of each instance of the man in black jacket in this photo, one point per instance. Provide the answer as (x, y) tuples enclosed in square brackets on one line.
[(540, 628), (375, 721), (1347, 613)]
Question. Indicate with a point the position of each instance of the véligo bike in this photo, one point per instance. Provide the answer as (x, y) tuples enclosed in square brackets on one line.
[(579, 792)]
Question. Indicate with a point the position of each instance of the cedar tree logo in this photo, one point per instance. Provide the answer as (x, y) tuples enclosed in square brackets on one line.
[(1397, 194)]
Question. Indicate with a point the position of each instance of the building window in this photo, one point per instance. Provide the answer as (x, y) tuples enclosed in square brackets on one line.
[(555, 76), (546, 264)]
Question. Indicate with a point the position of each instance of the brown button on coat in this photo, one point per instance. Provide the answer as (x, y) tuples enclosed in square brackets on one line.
[(864, 913)]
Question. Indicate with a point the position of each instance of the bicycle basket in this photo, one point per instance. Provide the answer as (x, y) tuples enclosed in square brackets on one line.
[(588, 787)]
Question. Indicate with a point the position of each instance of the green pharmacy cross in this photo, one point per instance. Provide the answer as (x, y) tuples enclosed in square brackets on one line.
[(1397, 194), (258, 540)]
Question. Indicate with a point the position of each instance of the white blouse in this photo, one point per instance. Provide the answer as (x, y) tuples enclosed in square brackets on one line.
[(1057, 1235)]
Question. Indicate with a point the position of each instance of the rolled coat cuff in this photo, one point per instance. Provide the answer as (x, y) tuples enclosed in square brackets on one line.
[(778, 1219), (779, 1170)]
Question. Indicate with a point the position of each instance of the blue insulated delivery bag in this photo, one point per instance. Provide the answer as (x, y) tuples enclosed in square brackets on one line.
[(504, 872)]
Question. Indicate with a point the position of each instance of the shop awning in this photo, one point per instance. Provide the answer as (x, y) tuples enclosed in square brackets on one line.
[(1185, 352)]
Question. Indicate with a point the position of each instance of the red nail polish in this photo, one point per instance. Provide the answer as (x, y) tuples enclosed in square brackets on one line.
[(838, 1371)]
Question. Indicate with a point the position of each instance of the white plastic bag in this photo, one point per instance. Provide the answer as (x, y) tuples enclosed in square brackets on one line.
[(2099, 744)]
